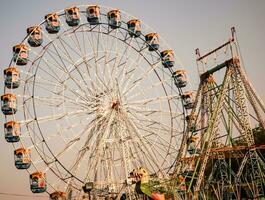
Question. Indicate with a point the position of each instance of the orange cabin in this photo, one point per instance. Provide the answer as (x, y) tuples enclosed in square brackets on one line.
[(12, 131), (20, 54), (72, 16), (22, 158), (12, 77), (180, 78), (52, 23), (9, 104), (114, 18), (35, 38), (191, 120), (168, 58), (58, 195), (134, 27), (93, 14), (194, 144), (152, 41), (188, 100)]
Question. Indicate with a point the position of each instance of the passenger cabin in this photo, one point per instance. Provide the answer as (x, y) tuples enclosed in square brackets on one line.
[(93, 14), (180, 78), (193, 144), (57, 195), (134, 27), (12, 131), (88, 187), (191, 120), (35, 38), (72, 16), (188, 100), (114, 18), (38, 182), (52, 23), (182, 183), (9, 104), (20, 54), (12, 77), (152, 41), (22, 158), (167, 57)]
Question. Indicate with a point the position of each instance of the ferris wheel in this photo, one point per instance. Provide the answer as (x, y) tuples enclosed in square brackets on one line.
[(91, 94)]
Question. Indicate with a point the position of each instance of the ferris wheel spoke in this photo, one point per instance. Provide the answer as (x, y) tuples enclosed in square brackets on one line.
[(128, 74), (97, 74), (143, 119), (141, 78), (159, 84), (75, 39), (77, 69), (53, 117), (151, 112), (154, 100), (135, 133), (99, 145), (64, 68)]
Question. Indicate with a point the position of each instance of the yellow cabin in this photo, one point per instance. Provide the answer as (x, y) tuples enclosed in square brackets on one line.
[(152, 41), (114, 18), (93, 14), (35, 38), (72, 16), (9, 104), (52, 23), (20, 54), (12, 77)]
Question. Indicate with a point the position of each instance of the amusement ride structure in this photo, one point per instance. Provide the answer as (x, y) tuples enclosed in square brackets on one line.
[(97, 106)]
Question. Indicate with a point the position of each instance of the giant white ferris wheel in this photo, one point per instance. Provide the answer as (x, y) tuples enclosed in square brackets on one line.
[(91, 94)]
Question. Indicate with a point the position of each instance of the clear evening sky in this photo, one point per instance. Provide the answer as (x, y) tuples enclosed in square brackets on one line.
[(184, 24)]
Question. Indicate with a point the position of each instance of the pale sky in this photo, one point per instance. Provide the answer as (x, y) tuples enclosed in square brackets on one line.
[(184, 24)]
